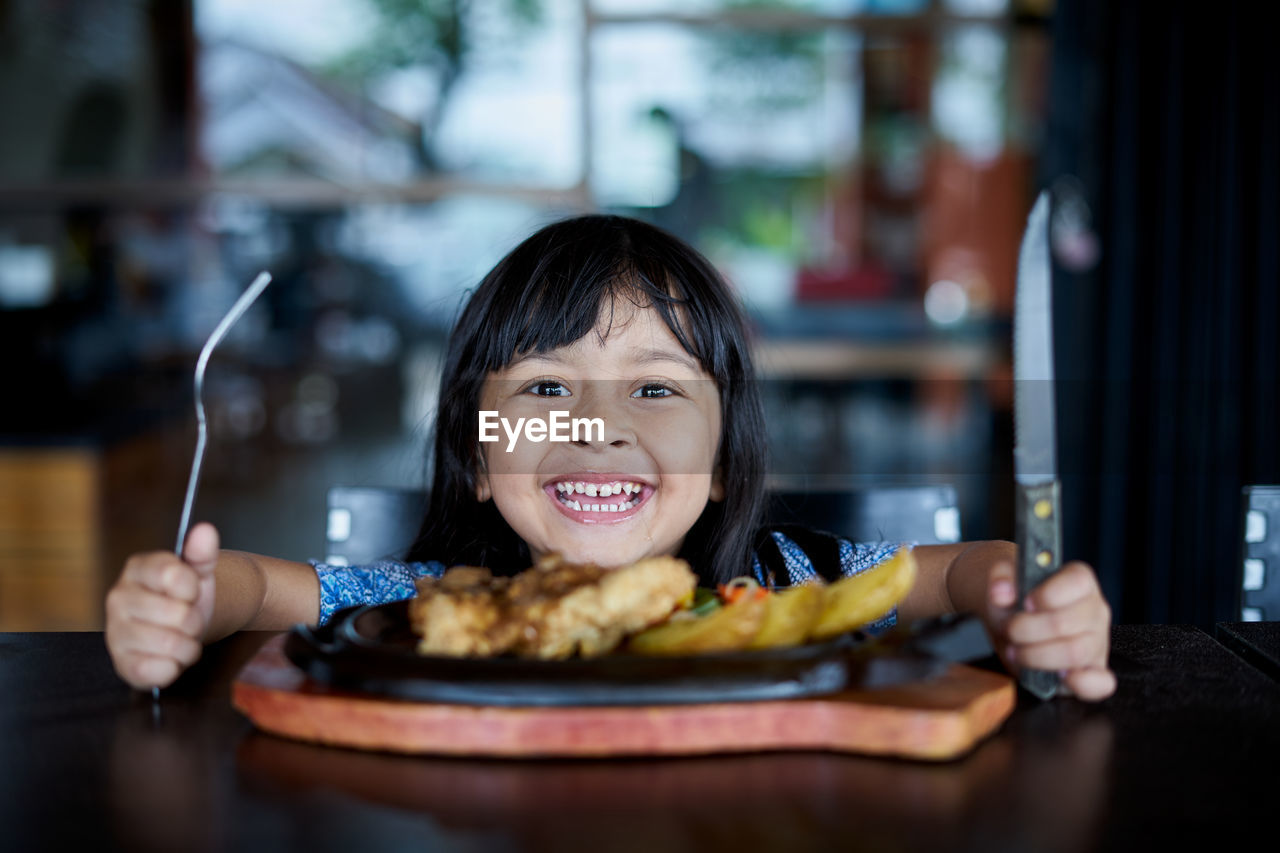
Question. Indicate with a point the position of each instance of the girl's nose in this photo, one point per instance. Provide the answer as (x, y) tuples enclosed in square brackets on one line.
[(597, 403)]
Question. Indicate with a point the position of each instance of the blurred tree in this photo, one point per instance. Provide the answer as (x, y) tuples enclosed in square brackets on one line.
[(435, 35), (764, 69), (755, 72)]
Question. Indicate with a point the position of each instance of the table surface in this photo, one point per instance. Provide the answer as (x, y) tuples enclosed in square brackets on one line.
[(1186, 753), (1256, 642)]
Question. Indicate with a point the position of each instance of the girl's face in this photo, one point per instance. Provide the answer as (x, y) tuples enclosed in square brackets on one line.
[(633, 493)]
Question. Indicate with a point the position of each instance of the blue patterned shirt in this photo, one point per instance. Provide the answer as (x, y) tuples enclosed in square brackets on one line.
[(393, 580)]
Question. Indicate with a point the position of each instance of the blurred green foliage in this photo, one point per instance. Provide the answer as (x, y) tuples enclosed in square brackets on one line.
[(431, 34), (411, 33)]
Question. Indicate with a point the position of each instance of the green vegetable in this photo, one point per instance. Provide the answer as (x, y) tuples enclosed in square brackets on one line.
[(704, 601)]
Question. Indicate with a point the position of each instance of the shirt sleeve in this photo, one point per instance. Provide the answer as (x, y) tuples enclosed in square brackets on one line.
[(376, 583)]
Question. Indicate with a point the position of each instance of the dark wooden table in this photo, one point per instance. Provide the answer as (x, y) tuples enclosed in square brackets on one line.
[(1256, 642), (1186, 754)]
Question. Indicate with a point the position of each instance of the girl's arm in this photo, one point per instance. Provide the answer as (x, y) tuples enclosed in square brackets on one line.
[(954, 578), (1066, 626), (258, 593)]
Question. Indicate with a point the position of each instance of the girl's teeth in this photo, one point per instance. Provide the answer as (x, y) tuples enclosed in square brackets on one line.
[(585, 507), (604, 490)]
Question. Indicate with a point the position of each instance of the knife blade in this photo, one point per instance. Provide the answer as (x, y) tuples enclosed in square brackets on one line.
[(1037, 519)]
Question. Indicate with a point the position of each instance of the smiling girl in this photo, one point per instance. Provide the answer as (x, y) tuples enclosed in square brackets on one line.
[(611, 319)]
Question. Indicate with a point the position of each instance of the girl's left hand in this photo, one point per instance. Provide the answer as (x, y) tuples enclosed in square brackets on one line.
[(1066, 627)]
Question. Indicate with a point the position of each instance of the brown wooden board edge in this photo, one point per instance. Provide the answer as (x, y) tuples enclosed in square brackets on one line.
[(938, 720)]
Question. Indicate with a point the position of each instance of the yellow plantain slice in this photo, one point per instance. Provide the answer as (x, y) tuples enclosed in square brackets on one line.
[(726, 629), (852, 602), (789, 616)]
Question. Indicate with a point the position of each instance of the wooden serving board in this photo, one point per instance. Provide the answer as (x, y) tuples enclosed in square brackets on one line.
[(938, 719)]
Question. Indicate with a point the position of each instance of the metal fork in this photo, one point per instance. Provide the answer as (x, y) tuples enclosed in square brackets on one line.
[(220, 331)]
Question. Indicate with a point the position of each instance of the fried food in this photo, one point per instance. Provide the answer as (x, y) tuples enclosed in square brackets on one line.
[(726, 629), (461, 614), (553, 610), (557, 609), (789, 617), (754, 619), (854, 601)]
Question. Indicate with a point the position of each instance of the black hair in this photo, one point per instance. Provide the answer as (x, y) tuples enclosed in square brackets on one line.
[(548, 292)]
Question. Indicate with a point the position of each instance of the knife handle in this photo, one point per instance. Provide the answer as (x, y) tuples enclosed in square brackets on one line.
[(1038, 523)]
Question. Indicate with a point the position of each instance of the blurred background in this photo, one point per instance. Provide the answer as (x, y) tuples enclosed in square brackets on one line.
[(861, 170)]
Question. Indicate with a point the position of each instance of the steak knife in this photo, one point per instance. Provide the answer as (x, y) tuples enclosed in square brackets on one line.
[(1037, 520)]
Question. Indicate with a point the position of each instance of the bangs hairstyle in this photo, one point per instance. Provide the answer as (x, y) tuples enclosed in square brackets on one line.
[(549, 292)]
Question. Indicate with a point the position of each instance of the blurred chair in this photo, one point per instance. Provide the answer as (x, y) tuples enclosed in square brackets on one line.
[(1260, 566), (368, 524), (927, 515)]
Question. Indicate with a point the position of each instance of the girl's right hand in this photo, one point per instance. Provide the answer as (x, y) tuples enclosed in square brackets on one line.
[(158, 610)]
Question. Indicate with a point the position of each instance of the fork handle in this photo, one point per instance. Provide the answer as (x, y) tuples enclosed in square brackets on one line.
[(192, 483)]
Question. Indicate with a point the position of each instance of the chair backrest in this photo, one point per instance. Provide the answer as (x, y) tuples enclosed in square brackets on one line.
[(1260, 566), (371, 523), (927, 515), (368, 523)]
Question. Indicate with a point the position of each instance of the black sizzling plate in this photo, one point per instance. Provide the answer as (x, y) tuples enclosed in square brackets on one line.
[(371, 649)]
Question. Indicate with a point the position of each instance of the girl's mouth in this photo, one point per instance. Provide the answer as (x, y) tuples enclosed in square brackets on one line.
[(599, 501)]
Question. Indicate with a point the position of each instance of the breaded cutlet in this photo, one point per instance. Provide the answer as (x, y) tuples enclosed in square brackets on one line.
[(553, 610), (461, 614)]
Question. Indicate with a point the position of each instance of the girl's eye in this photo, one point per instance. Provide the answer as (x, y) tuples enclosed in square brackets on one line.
[(548, 388), (653, 389)]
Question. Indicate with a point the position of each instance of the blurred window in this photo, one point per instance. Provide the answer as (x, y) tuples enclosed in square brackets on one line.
[(797, 142), (860, 169)]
